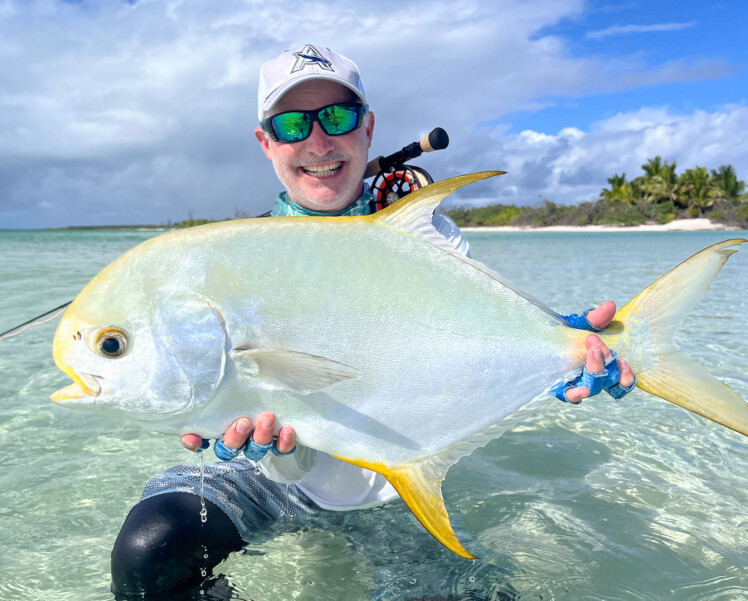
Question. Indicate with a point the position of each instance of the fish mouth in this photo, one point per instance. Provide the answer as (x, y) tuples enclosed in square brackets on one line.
[(84, 386)]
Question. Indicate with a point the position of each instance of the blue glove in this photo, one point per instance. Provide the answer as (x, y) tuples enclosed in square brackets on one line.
[(618, 392), (251, 450), (593, 382), (608, 380), (580, 322)]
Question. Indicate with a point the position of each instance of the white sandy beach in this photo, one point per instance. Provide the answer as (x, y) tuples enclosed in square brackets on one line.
[(677, 225)]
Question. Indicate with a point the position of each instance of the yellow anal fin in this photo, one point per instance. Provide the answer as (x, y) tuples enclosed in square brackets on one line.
[(420, 486)]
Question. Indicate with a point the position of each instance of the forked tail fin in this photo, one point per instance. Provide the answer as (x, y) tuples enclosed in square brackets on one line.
[(649, 321)]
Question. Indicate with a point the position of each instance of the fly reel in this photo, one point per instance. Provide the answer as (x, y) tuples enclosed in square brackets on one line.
[(394, 179), (390, 186)]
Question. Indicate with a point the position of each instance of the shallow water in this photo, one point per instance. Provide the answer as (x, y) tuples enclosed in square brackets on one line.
[(637, 500)]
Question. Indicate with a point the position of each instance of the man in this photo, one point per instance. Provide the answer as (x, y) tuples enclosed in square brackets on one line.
[(316, 130)]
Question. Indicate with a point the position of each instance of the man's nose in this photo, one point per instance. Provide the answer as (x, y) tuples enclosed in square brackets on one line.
[(318, 141)]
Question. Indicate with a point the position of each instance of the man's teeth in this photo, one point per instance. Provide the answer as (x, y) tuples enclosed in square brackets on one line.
[(322, 170)]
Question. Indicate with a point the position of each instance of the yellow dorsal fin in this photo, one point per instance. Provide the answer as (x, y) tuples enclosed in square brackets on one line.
[(420, 486), (414, 212)]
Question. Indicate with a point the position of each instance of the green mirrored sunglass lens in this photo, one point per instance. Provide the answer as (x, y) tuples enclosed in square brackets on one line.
[(338, 119), (291, 127)]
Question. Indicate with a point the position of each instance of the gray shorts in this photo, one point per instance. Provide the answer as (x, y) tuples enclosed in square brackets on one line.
[(252, 502), (397, 550)]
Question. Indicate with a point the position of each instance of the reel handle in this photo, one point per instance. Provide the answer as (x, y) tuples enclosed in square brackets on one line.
[(436, 140)]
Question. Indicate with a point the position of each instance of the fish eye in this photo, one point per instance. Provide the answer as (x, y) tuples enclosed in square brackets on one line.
[(112, 343)]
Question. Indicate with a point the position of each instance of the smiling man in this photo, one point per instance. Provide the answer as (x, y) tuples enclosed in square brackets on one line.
[(323, 173), (316, 129)]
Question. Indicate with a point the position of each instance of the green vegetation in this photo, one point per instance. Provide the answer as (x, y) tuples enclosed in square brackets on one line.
[(191, 221), (658, 196)]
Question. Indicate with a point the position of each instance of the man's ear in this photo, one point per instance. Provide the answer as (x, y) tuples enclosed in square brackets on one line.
[(369, 127), (264, 140)]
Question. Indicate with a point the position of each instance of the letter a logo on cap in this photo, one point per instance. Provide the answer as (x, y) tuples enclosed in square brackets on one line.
[(309, 55)]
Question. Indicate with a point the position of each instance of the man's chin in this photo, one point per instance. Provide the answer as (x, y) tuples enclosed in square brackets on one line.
[(325, 198), (320, 206)]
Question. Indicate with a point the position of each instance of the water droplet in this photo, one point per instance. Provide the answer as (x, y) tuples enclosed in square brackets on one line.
[(412, 581), (549, 445), (205, 556), (203, 509), (471, 579), (203, 573)]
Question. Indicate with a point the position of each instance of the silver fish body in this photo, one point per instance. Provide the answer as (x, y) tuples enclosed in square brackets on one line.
[(370, 336)]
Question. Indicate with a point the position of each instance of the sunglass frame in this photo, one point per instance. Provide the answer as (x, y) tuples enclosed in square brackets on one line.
[(361, 110)]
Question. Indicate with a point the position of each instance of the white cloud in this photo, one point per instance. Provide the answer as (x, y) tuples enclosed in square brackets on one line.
[(625, 29), (120, 113), (573, 166)]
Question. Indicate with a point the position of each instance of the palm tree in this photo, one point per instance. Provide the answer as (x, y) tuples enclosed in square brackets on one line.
[(637, 186), (619, 191), (697, 189), (726, 183), (660, 184), (652, 166)]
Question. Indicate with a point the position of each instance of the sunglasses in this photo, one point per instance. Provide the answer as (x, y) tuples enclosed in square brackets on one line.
[(335, 120)]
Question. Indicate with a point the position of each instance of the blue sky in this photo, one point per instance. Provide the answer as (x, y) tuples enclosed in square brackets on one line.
[(652, 33), (116, 112)]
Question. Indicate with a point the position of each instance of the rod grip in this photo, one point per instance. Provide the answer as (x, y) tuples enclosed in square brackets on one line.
[(372, 167), (436, 140)]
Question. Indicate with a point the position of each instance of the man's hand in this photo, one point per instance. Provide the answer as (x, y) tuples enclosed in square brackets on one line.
[(237, 434), (598, 353)]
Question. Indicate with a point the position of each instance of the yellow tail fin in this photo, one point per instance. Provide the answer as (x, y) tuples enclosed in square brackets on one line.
[(649, 321)]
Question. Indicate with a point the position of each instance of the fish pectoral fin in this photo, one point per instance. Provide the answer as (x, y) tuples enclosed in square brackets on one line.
[(420, 487), (302, 373)]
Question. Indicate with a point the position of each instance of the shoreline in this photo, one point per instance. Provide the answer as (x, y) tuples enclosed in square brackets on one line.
[(700, 224), (677, 225)]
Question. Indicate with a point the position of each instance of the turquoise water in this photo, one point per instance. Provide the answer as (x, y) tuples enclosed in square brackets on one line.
[(637, 500)]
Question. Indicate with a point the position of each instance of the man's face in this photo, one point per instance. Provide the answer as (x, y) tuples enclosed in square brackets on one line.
[(322, 173)]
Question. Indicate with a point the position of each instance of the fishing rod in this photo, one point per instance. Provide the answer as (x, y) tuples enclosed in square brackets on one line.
[(436, 140), (32, 322)]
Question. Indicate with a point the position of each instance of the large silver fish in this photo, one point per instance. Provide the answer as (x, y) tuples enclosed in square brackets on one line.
[(371, 336)]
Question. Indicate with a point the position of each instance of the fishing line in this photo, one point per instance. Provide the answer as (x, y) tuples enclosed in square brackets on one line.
[(32, 322)]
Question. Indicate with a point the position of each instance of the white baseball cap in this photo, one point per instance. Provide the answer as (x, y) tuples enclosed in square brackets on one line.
[(303, 63)]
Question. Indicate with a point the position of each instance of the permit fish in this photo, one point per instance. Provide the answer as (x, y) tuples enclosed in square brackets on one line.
[(374, 338)]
